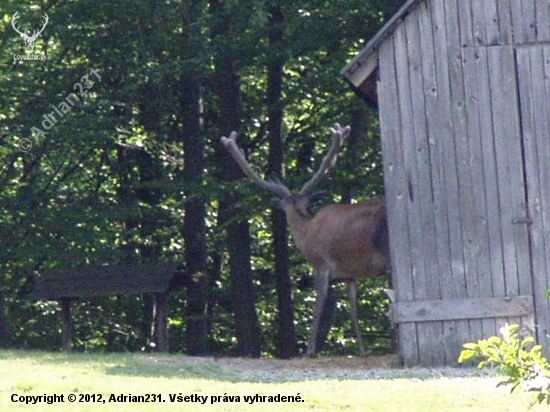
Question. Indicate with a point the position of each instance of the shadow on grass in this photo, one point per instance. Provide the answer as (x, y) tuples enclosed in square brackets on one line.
[(129, 364), (170, 367)]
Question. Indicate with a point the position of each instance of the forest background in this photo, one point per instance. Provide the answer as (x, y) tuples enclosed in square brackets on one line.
[(134, 171)]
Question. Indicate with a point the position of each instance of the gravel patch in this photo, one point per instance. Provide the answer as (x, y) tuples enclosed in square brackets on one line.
[(340, 368)]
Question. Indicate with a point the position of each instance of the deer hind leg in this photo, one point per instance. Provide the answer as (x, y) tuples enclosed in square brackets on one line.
[(321, 285), (352, 291)]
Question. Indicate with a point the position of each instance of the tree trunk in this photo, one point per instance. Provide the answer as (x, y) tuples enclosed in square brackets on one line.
[(227, 88), (194, 227), (242, 288), (286, 332)]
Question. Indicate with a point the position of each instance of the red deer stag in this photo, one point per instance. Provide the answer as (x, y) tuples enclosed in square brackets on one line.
[(343, 242)]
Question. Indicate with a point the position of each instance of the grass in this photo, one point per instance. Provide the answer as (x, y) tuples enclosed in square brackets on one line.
[(41, 373)]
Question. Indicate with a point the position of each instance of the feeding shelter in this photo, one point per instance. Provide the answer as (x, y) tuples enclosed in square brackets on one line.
[(65, 285), (463, 89)]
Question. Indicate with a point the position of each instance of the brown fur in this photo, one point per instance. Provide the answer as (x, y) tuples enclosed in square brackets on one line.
[(343, 243)]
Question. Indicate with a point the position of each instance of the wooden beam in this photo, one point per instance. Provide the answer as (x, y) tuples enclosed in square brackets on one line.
[(67, 324), (362, 69), (103, 280), (377, 40), (438, 310)]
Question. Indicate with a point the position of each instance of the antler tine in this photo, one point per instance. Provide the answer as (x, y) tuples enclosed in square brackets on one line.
[(13, 20), (231, 145), (36, 33), (338, 135)]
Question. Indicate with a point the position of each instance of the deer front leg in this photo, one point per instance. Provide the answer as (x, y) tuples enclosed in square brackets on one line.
[(326, 319), (352, 291), (321, 285)]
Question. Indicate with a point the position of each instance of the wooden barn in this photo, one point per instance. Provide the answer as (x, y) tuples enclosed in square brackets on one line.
[(463, 90)]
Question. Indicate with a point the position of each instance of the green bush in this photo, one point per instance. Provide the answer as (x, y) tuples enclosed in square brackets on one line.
[(517, 358)]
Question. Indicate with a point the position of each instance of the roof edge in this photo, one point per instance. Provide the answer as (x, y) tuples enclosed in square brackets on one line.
[(352, 67)]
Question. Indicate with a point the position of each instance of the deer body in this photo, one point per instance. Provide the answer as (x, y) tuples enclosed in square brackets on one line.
[(343, 242), (338, 236)]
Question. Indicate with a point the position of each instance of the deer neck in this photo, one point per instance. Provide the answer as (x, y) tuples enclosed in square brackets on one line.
[(298, 221)]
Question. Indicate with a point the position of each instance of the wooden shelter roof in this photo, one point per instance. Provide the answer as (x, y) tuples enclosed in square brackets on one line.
[(95, 280), (358, 71)]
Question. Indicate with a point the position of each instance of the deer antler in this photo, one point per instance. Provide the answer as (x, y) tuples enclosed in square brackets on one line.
[(338, 135), (36, 33), (28, 39), (13, 20), (231, 145)]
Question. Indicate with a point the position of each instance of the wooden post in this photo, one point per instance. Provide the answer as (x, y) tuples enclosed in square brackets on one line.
[(161, 322), (67, 324)]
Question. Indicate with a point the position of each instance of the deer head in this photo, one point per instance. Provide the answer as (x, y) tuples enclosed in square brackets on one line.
[(298, 203), (342, 242)]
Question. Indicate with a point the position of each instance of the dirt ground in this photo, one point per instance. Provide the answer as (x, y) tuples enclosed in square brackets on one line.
[(372, 367)]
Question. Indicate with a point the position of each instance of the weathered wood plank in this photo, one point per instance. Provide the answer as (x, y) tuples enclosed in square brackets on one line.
[(489, 329), (479, 283), (543, 20), (529, 20), (464, 334), (439, 310), (421, 47), (475, 86), (455, 334), (431, 344), (396, 194), (405, 63), (480, 122), (510, 169), (466, 23), (458, 332), (95, 280), (479, 23), (395, 175), (359, 73), (517, 21), (446, 193), (506, 28), (500, 114), (533, 71), (428, 355), (543, 318), (490, 14)]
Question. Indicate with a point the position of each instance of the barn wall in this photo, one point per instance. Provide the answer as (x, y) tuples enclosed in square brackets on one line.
[(503, 22), (454, 177), (533, 70)]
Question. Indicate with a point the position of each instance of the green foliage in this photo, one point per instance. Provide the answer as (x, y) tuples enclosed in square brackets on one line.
[(106, 183), (517, 358)]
